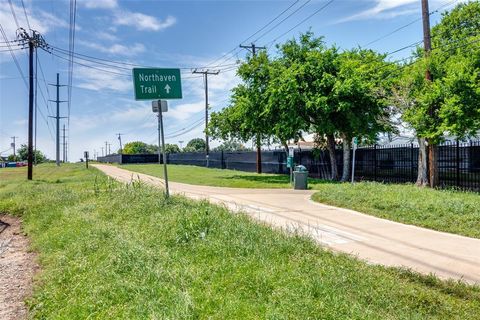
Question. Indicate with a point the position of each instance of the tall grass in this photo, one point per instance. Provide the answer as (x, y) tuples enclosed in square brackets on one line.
[(113, 252)]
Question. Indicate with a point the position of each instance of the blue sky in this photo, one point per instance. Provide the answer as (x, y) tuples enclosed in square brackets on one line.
[(184, 34)]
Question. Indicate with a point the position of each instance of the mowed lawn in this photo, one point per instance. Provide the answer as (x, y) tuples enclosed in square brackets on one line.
[(213, 177), (108, 251), (443, 210)]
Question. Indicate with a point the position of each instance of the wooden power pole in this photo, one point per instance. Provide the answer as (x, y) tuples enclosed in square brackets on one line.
[(205, 79)]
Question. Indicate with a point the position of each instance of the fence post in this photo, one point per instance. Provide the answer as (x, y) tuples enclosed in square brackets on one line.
[(412, 166), (375, 162), (222, 160), (457, 160)]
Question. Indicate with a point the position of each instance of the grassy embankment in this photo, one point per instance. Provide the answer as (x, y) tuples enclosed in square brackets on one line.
[(110, 251), (444, 210)]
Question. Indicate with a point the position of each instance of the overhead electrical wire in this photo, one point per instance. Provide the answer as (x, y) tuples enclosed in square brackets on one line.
[(231, 53), (13, 14), (409, 24), (301, 22), (113, 63), (283, 20), (26, 16), (45, 100), (71, 48), (129, 75), (2, 31)]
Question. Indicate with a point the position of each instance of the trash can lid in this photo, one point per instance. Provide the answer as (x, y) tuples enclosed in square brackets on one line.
[(300, 168)]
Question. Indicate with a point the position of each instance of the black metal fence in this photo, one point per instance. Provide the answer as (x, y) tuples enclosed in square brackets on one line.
[(458, 162)]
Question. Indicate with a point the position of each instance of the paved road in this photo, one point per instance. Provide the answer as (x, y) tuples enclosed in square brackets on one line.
[(373, 239)]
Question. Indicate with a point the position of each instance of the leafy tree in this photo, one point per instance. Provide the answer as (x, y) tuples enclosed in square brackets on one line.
[(447, 105), (138, 147), (246, 117), (12, 158), (172, 148), (361, 95), (331, 94), (302, 87), (195, 145), (231, 145), (22, 154)]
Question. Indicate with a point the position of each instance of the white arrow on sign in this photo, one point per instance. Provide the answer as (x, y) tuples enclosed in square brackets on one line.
[(167, 88)]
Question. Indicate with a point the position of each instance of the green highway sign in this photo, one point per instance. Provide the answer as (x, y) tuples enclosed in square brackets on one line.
[(289, 162), (156, 83)]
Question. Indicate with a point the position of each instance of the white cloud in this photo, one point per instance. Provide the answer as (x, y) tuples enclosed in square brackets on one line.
[(106, 36), (142, 21), (39, 20), (99, 4), (385, 9), (185, 110), (117, 49), (100, 81)]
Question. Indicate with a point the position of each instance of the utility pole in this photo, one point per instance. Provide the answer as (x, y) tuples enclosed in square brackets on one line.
[(181, 144), (94, 154), (253, 48), (120, 140), (57, 118), (109, 151), (427, 45), (14, 145), (33, 41), (102, 151), (205, 79), (106, 147), (64, 146)]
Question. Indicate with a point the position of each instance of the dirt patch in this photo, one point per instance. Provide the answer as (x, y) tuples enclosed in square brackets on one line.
[(17, 267)]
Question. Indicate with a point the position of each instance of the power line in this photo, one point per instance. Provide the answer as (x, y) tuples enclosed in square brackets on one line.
[(408, 24), (26, 16), (129, 75), (13, 56), (72, 27), (112, 63), (283, 20), (301, 22), (236, 49), (13, 14)]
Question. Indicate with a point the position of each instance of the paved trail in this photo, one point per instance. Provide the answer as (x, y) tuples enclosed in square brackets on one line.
[(373, 239)]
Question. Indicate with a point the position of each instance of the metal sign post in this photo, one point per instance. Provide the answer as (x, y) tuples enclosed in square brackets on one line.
[(86, 158), (161, 106), (154, 84)]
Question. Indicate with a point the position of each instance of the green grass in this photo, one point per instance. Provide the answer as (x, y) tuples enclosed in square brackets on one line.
[(113, 252), (443, 210), (215, 177)]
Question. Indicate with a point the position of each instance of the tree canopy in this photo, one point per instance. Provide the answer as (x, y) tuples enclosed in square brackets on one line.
[(195, 145), (22, 154), (139, 147)]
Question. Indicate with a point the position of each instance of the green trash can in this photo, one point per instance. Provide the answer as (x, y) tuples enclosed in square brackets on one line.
[(300, 178)]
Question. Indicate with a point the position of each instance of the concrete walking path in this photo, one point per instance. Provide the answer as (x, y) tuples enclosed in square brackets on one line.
[(373, 239)]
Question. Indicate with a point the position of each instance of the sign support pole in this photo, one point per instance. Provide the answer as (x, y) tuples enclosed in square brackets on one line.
[(354, 148), (162, 138)]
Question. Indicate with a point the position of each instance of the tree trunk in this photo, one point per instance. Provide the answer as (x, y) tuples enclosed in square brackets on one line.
[(333, 159), (433, 164), (422, 178), (259, 154), (346, 159)]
